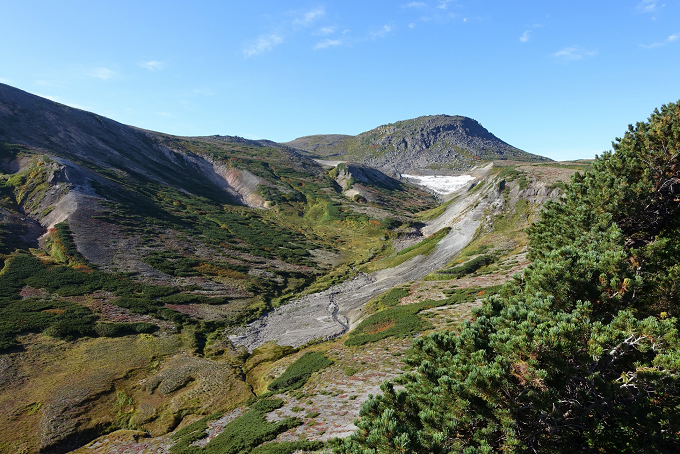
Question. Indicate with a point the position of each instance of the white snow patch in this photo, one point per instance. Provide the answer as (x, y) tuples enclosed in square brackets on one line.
[(441, 184)]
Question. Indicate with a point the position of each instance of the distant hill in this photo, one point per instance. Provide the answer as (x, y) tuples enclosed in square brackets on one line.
[(428, 144)]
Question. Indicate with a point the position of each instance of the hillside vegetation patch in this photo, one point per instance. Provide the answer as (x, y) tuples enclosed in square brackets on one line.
[(241, 435), (297, 374)]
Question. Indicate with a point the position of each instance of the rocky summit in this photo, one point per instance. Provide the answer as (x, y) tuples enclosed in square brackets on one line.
[(436, 144)]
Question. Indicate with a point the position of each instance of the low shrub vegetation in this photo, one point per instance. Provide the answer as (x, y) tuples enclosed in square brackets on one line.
[(297, 374), (241, 435)]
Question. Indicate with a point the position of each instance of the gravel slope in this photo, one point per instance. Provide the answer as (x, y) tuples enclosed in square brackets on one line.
[(333, 312)]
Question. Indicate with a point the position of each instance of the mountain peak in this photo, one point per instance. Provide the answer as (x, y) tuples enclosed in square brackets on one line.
[(427, 144)]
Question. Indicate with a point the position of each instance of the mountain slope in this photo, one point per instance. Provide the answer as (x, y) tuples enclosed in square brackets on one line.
[(131, 257), (438, 143), (127, 253)]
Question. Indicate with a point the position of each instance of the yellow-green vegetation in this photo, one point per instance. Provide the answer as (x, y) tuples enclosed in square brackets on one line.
[(424, 247), (60, 245), (73, 375), (30, 184), (511, 173), (435, 212)]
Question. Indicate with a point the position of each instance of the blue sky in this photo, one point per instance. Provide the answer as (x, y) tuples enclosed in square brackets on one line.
[(561, 79)]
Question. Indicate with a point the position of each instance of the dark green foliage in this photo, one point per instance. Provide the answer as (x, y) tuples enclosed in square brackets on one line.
[(297, 374), (469, 267), (580, 354), (400, 321), (123, 329), (171, 263), (61, 318), (56, 318), (239, 436), (393, 322), (191, 433), (389, 298), (288, 447), (466, 295)]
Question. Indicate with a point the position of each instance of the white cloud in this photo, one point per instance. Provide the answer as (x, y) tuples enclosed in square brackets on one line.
[(326, 43), (525, 36), (152, 65), (668, 40), (309, 17), (102, 73), (411, 25), (324, 31), (414, 5), (443, 4), (382, 32), (649, 6), (264, 43), (574, 53)]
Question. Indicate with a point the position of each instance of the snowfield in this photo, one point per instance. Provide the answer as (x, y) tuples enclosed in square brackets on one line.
[(441, 184)]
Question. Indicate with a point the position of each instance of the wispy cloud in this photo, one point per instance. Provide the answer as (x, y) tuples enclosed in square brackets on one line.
[(203, 91), (573, 53), (326, 43), (309, 17), (324, 31), (525, 36), (670, 39), (411, 25), (414, 5), (382, 32), (152, 65), (264, 43), (443, 4), (649, 6), (102, 73)]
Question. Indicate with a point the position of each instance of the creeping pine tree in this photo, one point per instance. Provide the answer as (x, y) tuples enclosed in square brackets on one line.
[(579, 354)]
